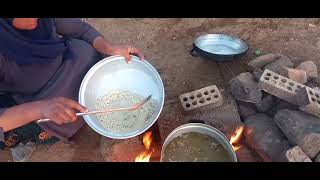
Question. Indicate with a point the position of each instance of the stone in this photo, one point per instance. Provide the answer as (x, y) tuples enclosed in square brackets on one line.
[(301, 129), (317, 158), (296, 154), (310, 68), (246, 109), (265, 104), (272, 111), (281, 104), (245, 154), (23, 152), (244, 88), (297, 75), (280, 66), (261, 61), (225, 118), (257, 73), (263, 135)]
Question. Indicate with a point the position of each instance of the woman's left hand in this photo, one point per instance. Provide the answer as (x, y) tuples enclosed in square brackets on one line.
[(102, 46), (126, 51)]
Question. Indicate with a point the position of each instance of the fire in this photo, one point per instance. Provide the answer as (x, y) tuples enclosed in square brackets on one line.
[(147, 140), (236, 137), (145, 155)]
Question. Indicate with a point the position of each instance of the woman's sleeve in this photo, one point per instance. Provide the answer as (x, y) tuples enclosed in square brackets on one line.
[(76, 28)]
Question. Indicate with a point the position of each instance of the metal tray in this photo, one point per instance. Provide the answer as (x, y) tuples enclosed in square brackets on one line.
[(219, 47)]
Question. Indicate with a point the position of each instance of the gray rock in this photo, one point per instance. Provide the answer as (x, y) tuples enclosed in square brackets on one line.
[(310, 68), (263, 135), (296, 154), (265, 104), (280, 104), (244, 88), (263, 60), (280, 66), (246, 154), (317, 158), (301, 129), (272, 111), (297, 75), (257, 73), (23, 152), (246, 109), (225, 118)]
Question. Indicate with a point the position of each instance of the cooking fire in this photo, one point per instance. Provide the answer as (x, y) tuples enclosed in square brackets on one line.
[(235, 138), (146, 155)]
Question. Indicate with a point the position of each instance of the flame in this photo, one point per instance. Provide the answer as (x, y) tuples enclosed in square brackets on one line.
[(236, 137), (145, 155), (147, 140)]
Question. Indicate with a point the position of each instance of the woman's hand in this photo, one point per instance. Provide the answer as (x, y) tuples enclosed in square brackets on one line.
[(126, 51), (102, 46), (61, 110)]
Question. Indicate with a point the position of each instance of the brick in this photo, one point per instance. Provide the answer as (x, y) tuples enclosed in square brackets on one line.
[(201, 97), (309, 101), (279, 86), (296, 154)]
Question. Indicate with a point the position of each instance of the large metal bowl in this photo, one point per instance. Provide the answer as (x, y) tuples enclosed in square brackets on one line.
[(113, 73), (204, 129)]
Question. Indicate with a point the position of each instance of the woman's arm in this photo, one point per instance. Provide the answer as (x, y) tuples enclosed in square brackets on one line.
[(17, 116), (59, 110), (75, 28)]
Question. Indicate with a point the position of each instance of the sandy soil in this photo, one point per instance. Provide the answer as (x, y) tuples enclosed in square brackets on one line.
[(166, 44)]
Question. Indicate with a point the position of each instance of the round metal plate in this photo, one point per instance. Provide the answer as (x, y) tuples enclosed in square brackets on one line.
[(113, 73), (220, 44)]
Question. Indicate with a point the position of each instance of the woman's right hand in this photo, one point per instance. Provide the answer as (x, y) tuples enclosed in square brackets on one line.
[(61, 110)]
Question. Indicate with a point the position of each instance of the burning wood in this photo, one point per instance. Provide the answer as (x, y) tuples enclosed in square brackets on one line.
[(235, 138), (145, 155)]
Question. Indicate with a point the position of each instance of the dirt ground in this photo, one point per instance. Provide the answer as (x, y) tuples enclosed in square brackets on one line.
[(166, 44)]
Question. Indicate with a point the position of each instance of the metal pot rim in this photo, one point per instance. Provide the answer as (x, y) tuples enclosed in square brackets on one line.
[(211, 129), (107, 60), (219, 37)]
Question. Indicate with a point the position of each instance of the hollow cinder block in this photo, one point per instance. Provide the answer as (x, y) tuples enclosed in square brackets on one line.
[(280, 86), (309, 101), (201, 97)]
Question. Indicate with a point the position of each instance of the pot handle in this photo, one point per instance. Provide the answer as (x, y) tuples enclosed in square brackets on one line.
[(194, 53)]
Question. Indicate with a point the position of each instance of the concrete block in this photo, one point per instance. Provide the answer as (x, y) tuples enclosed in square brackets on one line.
[(309, 101), (280, 86), (201, 97)]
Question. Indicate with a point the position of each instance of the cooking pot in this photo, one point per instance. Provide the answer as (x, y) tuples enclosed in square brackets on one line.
[(204, 129)]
